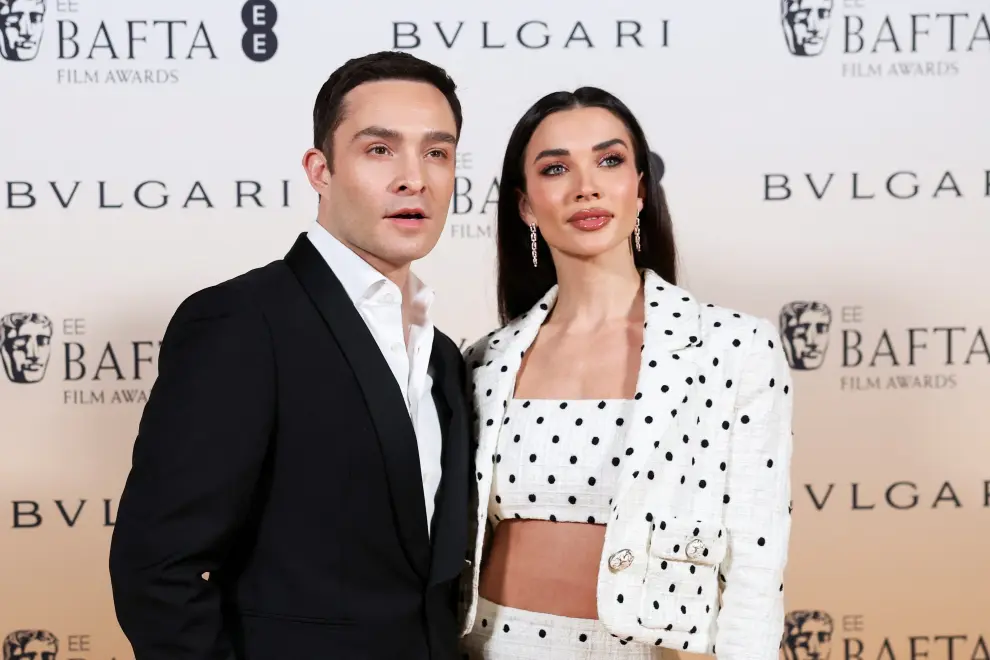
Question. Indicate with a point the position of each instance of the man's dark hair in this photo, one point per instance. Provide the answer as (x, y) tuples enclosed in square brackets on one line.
[(329, 109)]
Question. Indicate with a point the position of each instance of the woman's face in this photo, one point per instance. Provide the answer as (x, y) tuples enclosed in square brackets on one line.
[(582, 188)]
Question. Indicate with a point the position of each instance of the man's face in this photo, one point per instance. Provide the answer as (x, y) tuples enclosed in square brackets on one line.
[(807, 339), (25, 352), (35, 649), (22, 23), (811, 642), (393, 154), (806, 25)]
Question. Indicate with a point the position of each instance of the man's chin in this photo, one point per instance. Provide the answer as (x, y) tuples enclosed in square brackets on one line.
[(406, 257), (398, 256), (409, 246)]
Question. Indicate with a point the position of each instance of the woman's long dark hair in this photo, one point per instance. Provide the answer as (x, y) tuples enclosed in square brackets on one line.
[(520, 285)]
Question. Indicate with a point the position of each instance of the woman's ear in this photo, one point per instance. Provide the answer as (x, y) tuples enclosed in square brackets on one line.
[(641, 193), (525, 210)]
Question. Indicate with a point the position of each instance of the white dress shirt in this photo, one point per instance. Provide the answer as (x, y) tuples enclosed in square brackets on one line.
[(379, 302)]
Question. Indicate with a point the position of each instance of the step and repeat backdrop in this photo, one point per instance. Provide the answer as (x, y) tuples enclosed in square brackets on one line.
[(828, 167)]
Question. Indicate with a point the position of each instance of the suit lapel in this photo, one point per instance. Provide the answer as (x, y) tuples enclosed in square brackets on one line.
[(382, 396), (449, 534)]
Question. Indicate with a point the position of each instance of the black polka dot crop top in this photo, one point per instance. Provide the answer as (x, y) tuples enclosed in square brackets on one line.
[(558, 460)]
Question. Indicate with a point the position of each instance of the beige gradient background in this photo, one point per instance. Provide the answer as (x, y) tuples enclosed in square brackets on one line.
[(724, 103)]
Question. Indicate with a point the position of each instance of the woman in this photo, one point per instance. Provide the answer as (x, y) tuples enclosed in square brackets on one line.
[(634, 445)]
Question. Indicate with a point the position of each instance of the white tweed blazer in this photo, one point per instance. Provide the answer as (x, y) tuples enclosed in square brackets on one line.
[(697, 541)]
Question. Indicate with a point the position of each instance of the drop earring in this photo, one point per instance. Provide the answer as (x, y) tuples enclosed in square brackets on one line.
[(636, 234), (532, 242)]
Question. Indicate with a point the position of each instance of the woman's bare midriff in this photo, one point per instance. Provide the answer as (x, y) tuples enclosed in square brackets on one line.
[(544, 566)]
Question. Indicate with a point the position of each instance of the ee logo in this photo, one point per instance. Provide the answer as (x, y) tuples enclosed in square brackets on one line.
[(259, 41)]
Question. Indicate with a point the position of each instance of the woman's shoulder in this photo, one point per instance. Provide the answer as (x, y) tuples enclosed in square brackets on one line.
[(747, 343), (475, 353), (715, 321), (721, 320), (490, 345)]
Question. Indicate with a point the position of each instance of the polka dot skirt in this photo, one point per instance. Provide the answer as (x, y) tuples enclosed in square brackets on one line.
[(506, 633)]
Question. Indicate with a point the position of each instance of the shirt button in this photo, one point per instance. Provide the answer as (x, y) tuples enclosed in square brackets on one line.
[(396, 346)]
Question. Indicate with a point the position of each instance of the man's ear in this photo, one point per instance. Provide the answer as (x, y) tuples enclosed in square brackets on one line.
[(317, 169)]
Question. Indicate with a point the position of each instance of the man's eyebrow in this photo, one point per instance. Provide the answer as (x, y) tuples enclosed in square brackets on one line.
[(440, 136), (378, 132), (394, 135)]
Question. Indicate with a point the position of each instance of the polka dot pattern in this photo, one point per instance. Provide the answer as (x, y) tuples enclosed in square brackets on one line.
[(706, 440), (537, 636), (564, 472)]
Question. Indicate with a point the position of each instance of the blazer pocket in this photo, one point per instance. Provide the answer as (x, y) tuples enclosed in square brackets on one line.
[(681, 589)]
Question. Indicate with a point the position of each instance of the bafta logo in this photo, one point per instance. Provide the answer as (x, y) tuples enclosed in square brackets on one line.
[(22, 24), (25, 345), (807, 635), (806, 25), (804, 328), (30, 645)]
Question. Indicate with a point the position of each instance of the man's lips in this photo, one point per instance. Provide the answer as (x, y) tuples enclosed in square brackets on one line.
[(409, 213)]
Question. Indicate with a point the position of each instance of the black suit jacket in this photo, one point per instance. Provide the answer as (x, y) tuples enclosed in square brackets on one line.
[(276, 454)]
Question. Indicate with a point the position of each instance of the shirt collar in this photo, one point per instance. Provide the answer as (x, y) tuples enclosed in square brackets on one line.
[(361, 280), (421, 297)]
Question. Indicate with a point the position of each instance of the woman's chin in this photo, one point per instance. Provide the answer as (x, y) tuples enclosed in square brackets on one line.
[(595, 247)]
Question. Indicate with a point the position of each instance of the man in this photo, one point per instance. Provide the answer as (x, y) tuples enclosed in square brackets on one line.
[(300, 477)]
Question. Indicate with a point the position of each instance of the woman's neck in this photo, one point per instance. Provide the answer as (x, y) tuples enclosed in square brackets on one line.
[(596, 293)]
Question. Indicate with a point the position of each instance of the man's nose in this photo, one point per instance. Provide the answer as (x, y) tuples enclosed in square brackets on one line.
[(411, 180)]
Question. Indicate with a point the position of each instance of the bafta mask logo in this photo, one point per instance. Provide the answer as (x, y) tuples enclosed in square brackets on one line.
[(806, 25), (807, 635), (25, 345), (30, 645), (22, 24), (804, 328)]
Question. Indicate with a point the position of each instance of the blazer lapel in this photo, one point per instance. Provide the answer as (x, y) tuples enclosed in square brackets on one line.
[(449, 535), (666, 372), (493, 366), (382, 396)]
